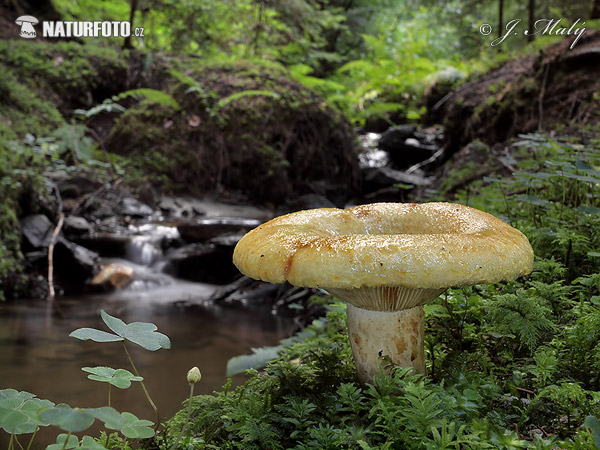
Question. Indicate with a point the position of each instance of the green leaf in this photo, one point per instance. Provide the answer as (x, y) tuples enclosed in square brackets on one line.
[(120, 378), (135, 428), (72, 442), (141, 333), (114, 323), (256, 360), (532, 199), (247, 93), (67, 418), (95, 335), (593, 424), (89, 443), (147, 95), (588, 209), (19, 411), (110, 416), (145, 335)]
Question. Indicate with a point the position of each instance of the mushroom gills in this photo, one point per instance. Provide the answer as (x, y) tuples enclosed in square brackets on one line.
[(386, 298)]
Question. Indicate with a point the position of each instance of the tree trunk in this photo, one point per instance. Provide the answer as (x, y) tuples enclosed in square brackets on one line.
[(132, 10), (595, 10), (500, 17), (531, 26)]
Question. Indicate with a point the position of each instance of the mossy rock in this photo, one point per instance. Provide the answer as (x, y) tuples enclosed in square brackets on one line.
[(242, 127), (557, 88)]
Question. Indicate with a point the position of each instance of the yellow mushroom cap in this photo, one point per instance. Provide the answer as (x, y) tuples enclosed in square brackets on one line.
[(425, 246)]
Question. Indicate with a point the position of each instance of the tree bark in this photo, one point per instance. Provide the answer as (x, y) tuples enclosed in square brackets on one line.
[(500, 17), (531, 9), (132, 10), (595, 10)]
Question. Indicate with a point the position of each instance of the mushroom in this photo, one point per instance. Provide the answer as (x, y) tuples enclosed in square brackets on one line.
[(27, 23), (386, 260)]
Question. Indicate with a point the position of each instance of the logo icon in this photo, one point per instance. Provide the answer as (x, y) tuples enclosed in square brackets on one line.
[(27, 23)]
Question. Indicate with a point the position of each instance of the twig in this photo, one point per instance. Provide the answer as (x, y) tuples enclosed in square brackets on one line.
[(525, 390), (61, 218), (428, 161)]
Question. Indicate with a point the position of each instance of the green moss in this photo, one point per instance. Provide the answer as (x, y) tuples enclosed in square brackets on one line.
[(243, 126), (59, 76), (22, 110), (20, 183)]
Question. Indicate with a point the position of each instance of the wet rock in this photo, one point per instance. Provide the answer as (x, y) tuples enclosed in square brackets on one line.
[(206, 228), (110, 245), (74, 263), (241, 283), (77, 186), (37, 230), (178, 207), (396, 136), (76, 226), (207, 263), (131, 207), (102, 210), (257, 294), (113, 276), (282, 298), (379, 177), (411, 152)]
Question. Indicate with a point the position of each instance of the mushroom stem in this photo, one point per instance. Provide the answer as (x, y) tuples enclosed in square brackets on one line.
[(397, 334)]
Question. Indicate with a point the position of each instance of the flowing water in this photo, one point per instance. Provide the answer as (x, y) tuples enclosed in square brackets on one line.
[(36, 354)]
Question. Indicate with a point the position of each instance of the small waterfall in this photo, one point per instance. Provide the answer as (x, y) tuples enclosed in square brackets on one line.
[(143, 250), (145, 247), (371, 155)]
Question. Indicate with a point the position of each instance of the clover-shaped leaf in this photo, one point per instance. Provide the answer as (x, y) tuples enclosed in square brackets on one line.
[(86, 334), (19, 411), (89, 443), (141, 333), (63, 443), (67, 418), (110, 416), (120, 378), (135, 428)]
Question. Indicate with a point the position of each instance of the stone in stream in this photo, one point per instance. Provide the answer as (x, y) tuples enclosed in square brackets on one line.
[(394, 137), (113, 276), (76, 226), (411, 152), (73, 263), (37, 230), (204, 262), (207, 228), (75, 187), (378, 177), (129, 206)]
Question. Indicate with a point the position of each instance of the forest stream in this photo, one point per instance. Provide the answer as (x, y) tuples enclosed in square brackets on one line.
[(34, 346)]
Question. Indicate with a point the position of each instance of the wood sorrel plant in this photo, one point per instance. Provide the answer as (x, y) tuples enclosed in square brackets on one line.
[(23, 413), (140, 333)]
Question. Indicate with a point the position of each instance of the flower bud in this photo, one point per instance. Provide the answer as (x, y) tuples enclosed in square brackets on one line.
[(194, 375)]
